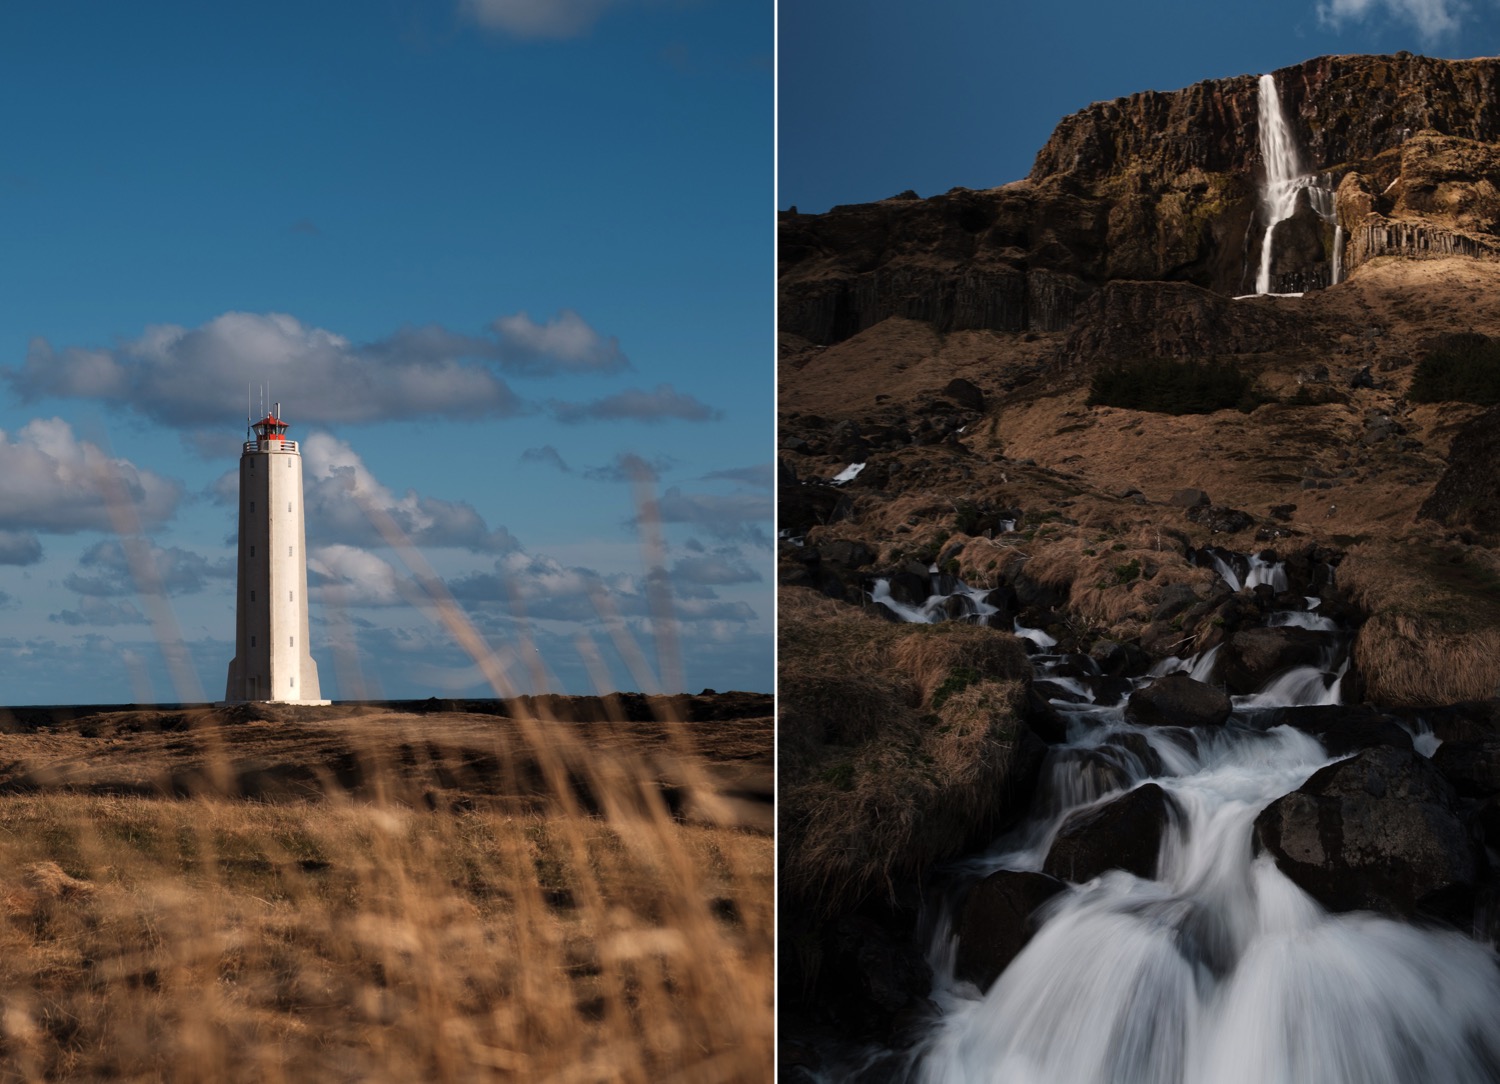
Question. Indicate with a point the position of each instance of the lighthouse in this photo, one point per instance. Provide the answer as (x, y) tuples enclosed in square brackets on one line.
[(272, 660)]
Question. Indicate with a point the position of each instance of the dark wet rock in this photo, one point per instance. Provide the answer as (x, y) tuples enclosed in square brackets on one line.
[(1189, 498), (1174, 599), (958, 607), (1345, 729), (1218, 520), (1376, 832), (1006, 602), (872, 973), (911, 586), (1178, 700), (996, 922), (1032, 593), (846, 553), (1117, 659), (1471, 720), (801, 507), (1468, 493), (1147, 761), (1252, 657), (1110, 690), (1473, 767), (1053, 690), (1045, 720), (1123, 834)]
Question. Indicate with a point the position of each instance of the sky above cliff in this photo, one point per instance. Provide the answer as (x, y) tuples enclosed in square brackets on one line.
[(877, 97), (504, 263)]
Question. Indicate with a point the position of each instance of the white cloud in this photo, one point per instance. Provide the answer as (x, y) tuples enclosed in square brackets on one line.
[(564, 344), (536, 18), (19, 548), (634, 404), (194, 378), (349, 576), (51, 481), (338, 487), (100, 612), (542, 588), (736, 516), (105, 571), (1432, 18)]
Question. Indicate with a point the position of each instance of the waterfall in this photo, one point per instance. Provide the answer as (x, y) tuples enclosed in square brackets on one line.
[(1284, 177), (1285, 182)]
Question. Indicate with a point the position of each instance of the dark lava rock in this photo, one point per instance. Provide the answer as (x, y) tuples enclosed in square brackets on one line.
[(1124, 834), (801, 507), (1472, 720), (1147, 760), (846, 553), (872, 974), (1174, 599), (1473, 767), (1189, 498), (1221, 520), (1468, 493), (1252, 657), (1116, 659), (911, 586), (1178, 700), (1345, 729), (1044, 720), (996, 922), (965, 394), (1005, 600), (1377, 832)]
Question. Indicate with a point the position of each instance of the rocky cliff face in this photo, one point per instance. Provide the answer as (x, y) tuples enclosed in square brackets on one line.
[(1166, 186)]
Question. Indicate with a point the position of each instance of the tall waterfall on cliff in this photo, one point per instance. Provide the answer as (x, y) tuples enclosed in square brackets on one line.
[(1285, 182)]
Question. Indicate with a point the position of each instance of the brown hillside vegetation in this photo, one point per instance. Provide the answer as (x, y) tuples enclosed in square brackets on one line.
[(896, 744), (1333, 453), (371, 895)]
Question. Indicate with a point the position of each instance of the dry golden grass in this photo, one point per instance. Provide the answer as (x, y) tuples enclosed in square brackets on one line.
[(895, 745), (375, 935), (1433, 636)]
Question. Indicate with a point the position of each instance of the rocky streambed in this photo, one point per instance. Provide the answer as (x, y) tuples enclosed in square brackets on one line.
[(1220, 866)]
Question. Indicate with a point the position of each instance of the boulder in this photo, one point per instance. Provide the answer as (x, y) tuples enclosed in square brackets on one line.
[(965, 394), (1252, 657), (1345, 729), (871, 974), (1378, 832), (1189, 498), (1221, 520), (1178, 700), (996, 922), (1123, 834), (1473, 767)]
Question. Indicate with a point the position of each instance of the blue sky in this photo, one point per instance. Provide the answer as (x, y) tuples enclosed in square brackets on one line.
[(877, 96), (495, 258)]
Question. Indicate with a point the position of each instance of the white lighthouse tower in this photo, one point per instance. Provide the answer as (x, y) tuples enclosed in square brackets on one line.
[(271, 642)]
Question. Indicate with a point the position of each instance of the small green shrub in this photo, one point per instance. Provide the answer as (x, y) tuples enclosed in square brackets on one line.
[(958, 679)]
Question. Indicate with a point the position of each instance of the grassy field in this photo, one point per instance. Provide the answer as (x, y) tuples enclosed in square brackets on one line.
[(368, 894)]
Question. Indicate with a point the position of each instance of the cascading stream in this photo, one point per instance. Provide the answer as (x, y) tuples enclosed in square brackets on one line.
[(1218, 970)]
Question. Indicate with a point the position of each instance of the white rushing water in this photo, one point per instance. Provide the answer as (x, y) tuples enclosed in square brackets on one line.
[(1218, 970), (1285, 183)]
